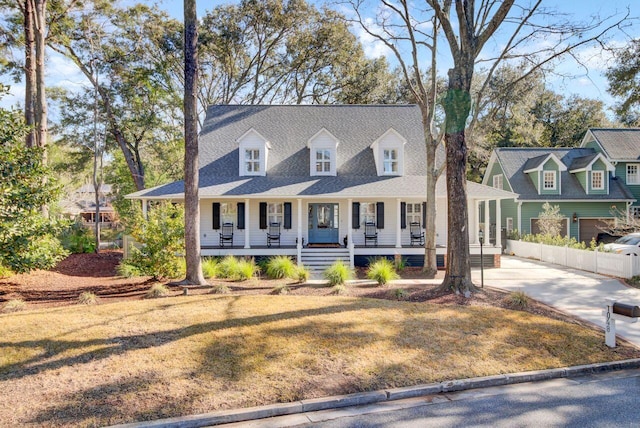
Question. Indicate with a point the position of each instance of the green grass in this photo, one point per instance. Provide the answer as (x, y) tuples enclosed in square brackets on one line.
[(382, 271), (148, 359)]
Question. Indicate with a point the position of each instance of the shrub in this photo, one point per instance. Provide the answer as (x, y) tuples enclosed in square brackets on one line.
[(5, 272), (382, 271), (339, 289), (246, 269), (227, 267), (127, 270), (209, 267), (78, 239), (517, 299), (302, 274), (400, 293), (161, 236), (280, 289), (14, 305), (338, 273), (280, 267), (157, 290), (87, 298), (220, 289)]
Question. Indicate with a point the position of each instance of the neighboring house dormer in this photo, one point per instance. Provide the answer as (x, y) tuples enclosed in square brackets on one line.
[(544, 172), (592, 172), (388, 153), (323, 153), (253, 153)]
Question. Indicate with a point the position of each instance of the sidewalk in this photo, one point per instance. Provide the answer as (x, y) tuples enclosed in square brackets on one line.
[(576, 292)]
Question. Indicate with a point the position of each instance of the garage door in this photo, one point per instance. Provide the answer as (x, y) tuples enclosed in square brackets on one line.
[(535, 229), (590, 227)]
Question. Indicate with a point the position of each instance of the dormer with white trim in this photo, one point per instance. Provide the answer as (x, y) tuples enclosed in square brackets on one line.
[(388, 153), (544, 171), (592, 173), (323, 153), (253, 153)]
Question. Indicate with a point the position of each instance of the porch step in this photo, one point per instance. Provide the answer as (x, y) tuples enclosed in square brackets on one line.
[(318, 259)]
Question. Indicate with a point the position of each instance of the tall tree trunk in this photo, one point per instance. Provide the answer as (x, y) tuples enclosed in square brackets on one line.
[(97, 169), (430, 267), (457, 105), (41, 97), (30, 72), (191, 180)]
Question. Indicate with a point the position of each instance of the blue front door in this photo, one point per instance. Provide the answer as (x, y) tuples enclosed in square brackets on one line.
[(323, 223)]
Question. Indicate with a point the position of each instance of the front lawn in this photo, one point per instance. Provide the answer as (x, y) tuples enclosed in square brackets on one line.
[(148, 359)]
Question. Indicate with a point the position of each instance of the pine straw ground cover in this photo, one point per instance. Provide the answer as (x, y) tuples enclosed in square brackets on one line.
[(148, 359)]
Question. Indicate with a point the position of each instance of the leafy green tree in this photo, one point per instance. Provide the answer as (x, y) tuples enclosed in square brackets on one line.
[(27, 237), (624, 83)]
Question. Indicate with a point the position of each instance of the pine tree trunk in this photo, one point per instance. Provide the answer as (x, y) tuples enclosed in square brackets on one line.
[(41, 110), (30, 72), (191, 180)]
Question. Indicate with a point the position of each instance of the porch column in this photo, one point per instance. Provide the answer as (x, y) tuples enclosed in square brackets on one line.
[(350, 232), (498, 223), (247, 227), (299, 240), (476, 220), (398, 225), (487, 223), (144, 209)]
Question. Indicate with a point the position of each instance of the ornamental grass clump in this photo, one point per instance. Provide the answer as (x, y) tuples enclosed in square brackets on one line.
[(14, 305), (209, 267), (280, 289), (220, 289), (517, 299), (280, 267), (237, 270), (338, 273), (382, 271), (156, 291), (302, 274), (87, 298), (227, 267)]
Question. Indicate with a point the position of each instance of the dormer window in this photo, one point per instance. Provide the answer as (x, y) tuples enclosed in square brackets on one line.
[(253, 153), (549, 180), (388, 153), (497, 181), (390, 162), (597, 180), (323, 147)]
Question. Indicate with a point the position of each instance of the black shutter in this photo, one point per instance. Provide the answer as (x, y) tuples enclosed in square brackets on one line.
[(216, 215), (403, 215), (380, 215), (263, 215), (355, 215), (424, 214), (287, 215), (240, 215)]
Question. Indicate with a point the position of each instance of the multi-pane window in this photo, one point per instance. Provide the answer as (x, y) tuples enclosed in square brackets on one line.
[(323, 161), (509, 224), (634, 212), (367, 212), (597, 180), (252, 161), (275, 213), (227, 212), (633, 175), (414, 213), (549, 180), (497, 181), (390, 161)]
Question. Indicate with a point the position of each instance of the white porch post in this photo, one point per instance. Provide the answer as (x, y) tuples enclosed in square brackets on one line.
[(487, 223), (299, 240), (519, 214), (350, 232), (398, 225), (247, 228), (498, 223), (476, 221), (144, 209)]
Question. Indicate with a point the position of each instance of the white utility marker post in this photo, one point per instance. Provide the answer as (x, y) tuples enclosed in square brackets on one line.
[(617, 311)]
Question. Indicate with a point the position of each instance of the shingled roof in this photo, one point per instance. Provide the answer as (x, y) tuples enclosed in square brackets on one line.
[(618, 144), (514, 159)]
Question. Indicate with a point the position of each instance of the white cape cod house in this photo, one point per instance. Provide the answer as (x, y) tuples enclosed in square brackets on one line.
[(320, 182)]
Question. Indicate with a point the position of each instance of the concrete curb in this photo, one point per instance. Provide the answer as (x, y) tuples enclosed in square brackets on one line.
[(316, 404)]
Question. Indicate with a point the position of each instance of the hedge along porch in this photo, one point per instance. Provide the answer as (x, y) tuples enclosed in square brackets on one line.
[(321, 174)]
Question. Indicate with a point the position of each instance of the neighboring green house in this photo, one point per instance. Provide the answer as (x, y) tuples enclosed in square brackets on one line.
[(588, 183)]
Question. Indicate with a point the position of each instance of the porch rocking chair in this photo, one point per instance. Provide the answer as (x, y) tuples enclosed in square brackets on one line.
[(370, 234), (417, 234), (226, 235), (273, 234)]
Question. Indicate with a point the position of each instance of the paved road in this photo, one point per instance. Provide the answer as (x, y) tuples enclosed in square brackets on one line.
[(574, 291), (605, 400)]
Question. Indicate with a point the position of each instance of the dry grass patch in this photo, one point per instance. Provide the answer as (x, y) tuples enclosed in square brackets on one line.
[(149, 359)]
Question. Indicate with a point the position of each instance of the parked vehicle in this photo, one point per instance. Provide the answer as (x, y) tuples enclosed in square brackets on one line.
[(628, 245), (606, 238)]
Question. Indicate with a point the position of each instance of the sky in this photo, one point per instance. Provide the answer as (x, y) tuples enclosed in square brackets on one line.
[(591, 84)]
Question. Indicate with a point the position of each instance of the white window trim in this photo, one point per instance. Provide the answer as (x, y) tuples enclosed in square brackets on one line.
[(228, 212), (253, 140), (390, 140), (637, 174), (275, 213), (390, 161), (363, 214), (498, 181), (316, 143), (412, 213), (593, 175), (555, 180)]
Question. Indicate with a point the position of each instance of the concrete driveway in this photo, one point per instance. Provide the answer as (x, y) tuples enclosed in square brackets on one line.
[(577, 292)]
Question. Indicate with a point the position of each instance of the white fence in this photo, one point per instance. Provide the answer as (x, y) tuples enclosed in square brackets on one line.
[(593, 261)]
